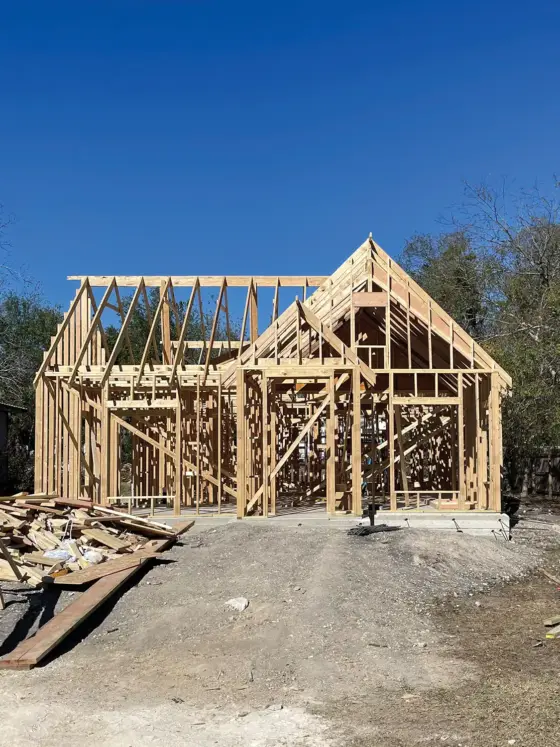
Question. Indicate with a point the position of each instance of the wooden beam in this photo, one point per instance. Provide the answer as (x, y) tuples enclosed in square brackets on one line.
[(210, 281), (254, 313), (241, 453), (356, 445), (402, 463), (330, 466)]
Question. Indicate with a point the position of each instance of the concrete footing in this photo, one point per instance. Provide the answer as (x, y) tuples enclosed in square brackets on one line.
[(467, 522)]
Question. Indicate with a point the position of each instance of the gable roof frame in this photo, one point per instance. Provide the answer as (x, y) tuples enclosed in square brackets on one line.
[(330, 304)]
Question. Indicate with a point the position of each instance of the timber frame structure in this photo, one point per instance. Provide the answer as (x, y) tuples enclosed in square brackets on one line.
[(362, 390)]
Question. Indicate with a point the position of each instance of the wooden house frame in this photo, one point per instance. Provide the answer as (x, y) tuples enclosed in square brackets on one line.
[(361, 391)]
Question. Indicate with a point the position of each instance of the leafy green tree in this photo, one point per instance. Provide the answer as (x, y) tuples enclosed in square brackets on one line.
[(449, 269), (498, 275), (26, 326)]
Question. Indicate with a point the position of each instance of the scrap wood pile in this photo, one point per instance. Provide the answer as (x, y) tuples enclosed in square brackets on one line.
[(49, 539)]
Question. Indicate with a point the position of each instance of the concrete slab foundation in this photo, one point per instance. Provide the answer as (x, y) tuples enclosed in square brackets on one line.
[(467, 522)]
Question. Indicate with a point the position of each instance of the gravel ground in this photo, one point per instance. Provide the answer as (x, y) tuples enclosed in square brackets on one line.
[(383, 640)]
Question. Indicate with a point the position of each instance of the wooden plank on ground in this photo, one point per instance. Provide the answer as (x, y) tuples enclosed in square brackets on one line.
[(33, 650), (86, 575), (137, 519), (92, 520), (10, 561), (38, 558), (13, 521), (106, 538), (146, 529), (72, 503)]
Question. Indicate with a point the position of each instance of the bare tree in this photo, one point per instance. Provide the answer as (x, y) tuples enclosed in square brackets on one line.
[(509, 264)]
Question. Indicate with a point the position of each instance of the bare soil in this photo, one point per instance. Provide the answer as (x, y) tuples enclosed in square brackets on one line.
[(390, 640)]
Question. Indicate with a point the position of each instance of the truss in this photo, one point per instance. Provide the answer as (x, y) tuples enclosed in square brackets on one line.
[(357, 389)]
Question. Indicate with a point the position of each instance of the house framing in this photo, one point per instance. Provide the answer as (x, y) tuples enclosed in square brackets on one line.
[(362, 390)]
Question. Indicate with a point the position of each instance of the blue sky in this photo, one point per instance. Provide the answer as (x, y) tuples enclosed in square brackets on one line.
[(257, 137)]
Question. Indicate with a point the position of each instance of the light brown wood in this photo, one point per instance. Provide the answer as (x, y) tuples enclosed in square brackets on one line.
[(238, 420), (93, 572), (106, 538)]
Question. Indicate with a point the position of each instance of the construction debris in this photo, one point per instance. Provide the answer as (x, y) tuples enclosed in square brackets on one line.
[(363, 530), (47, 539), (553, 632), (238, 604)]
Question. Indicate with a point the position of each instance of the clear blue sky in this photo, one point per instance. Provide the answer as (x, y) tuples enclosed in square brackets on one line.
[(260, 137)]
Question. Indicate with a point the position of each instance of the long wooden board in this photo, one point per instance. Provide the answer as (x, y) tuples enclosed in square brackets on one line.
[(86, 575), (106, 538), (34, 649)]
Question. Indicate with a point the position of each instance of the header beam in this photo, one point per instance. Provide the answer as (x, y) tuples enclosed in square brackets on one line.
[(241, 281)]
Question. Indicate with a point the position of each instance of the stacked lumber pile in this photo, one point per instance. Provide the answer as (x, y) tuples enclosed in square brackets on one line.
[(48, 539)]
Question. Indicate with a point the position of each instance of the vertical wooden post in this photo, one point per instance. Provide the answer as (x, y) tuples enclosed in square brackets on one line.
[(494, 436), (219, 445), (391, 438), (198, 444), (78, 413), (241, 445), (408, 335), (265, 457), (254, 312), (273, 423), (105, 445), (402, 462), (64, 421), (356, 444), (114, 458), (331, 448), (388, 328), (478, 447), (164, 463), (38, 476), (165, 323), (451, 344), (373, 451), (51, 439), (178, 496), (461, 441)]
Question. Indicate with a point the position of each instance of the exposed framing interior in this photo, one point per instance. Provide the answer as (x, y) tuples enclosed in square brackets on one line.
[(361, 390)]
